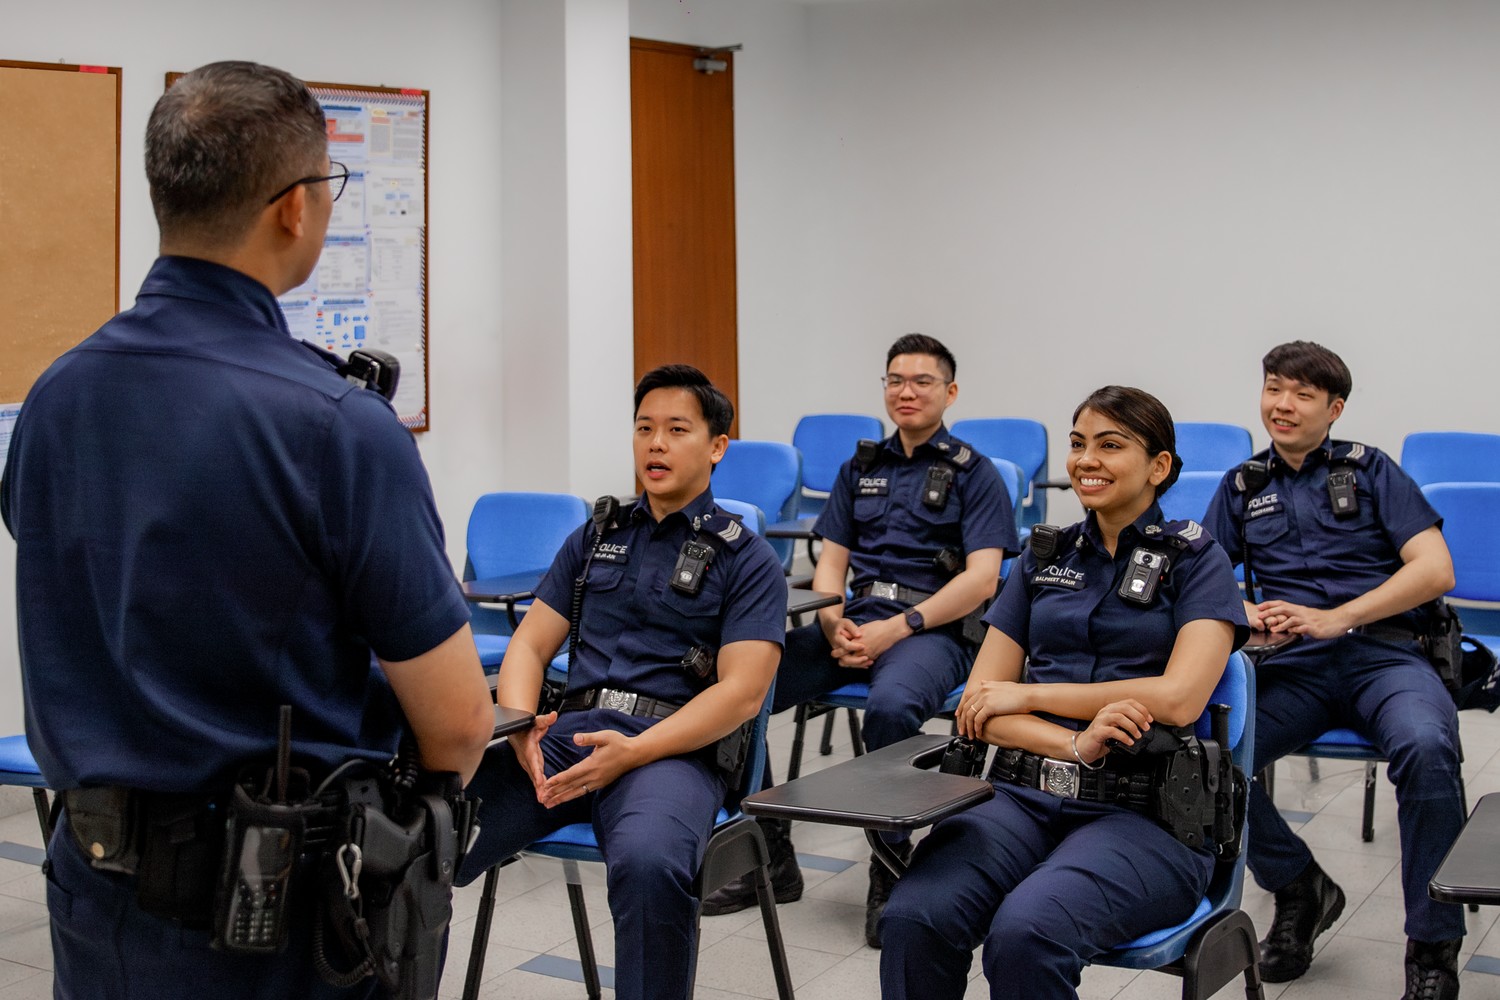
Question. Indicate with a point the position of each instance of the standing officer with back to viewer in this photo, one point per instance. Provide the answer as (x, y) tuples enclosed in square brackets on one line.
[(675, 613), (212, 523), (923, 520), (1346, 551)]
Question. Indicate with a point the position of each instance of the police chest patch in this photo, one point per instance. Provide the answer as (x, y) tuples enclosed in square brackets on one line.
[(1263, 505), (873, 486), (613, 552), (1054, 575)]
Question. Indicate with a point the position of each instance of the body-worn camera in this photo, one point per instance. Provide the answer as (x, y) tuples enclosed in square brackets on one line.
[(935, 489), (1141, 579), (964, 756), (692, 564), (1342, 495)]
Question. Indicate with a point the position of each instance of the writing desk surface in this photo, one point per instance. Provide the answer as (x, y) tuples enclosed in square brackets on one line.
[(801, 527), (800, 601), (880, 790), (503, 589), (1471, 871)]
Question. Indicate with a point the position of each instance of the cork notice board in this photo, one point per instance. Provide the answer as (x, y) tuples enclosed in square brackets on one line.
[(59, 213)]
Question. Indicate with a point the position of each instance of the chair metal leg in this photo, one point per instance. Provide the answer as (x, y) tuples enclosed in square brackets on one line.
[(799, 733), (767, 899), (855, 736), (44, 814), (826, 747), (1367, 833), (581, 931), (482, 921)]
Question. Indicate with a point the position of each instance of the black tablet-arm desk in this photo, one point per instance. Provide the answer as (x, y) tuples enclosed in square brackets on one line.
[(883, 790), (1471, 871)]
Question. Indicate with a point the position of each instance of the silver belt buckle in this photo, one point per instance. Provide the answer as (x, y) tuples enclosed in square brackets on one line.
[(1058, 777), (886, 590), (619, 701)]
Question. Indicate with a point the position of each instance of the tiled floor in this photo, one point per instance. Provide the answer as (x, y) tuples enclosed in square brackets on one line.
[(1360, 959)]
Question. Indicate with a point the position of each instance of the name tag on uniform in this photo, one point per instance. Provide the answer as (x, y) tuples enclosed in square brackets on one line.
[(613, 552), (1058, 576), (873, 486), (1268, 504)]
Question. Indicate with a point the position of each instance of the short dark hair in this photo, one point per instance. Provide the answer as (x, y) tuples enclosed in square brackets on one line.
[(1143, 415), (718, 411), (1312, 364), (920, 343), (221, 140)]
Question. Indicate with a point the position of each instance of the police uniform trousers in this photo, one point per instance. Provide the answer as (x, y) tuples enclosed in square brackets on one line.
[(1045, 884), (1390, 693), (105, 948), (653, 825)]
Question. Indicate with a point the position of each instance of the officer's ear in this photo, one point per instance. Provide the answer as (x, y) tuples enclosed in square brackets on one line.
[(717, 447), (1161, 467), (1335, 409), (951, 394)]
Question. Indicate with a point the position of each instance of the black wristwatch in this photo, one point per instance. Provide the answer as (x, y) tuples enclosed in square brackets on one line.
[(915, 621)]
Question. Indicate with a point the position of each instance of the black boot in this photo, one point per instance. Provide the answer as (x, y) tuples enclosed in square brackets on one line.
[(786, 877), (1304, 909), (881, 883), (1432, 970)]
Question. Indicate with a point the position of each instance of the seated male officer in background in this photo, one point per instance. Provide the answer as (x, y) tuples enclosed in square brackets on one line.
[(923, 520), (212, 523), (648, 596), (1346, 551)]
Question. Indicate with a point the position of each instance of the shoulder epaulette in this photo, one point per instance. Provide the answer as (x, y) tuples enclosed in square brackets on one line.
[(1188, 534), (957, 453), (1350, 453), (731, 534)]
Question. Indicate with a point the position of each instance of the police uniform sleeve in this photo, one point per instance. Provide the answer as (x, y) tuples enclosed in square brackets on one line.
[(1401, 506), (1205, 588), (1223, 519), (382, 533), (1011, 612), (755, 596), (556, 588), (836, 522), (989, 519)]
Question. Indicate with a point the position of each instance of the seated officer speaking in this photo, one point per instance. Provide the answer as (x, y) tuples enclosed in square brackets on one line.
[(1347, 552), (923, 521), (212, 523), (657, 592)]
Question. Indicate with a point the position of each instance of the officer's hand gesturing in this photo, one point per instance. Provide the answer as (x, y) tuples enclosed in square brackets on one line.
[(983, 700), (610, 759), (528, 750), (1123, 720), (1315, 623)]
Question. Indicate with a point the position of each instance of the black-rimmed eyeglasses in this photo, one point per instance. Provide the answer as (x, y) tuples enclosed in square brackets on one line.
[(335, 181)]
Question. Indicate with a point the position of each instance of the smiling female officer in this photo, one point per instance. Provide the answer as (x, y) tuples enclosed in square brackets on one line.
[(1044, 879)]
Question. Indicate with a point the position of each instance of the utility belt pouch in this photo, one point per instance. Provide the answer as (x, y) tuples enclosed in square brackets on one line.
[(1443, 643), (1185, 792), (181, 837), (105, 823), (730, 753), (972, 626)]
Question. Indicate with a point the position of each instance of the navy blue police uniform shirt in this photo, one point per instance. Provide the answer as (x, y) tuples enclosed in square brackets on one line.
[(893, 537), (212, 523), (635, 627), (1066, 612), (1299, 550)]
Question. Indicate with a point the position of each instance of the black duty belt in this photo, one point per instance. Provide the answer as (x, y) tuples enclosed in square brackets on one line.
[(1067, 779), (1397, 629), (892, 592), (620, 701)]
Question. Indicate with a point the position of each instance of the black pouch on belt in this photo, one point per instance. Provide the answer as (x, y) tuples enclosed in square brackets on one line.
[(182, 838), (104, 822)]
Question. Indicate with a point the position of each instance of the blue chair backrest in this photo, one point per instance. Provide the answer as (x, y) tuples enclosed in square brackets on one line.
[(827, 441), (1015, 483), (1188, 498), (1471, 527), (767, 474), (1210, 447), (1451, 457), (516, 533), (754, 517), (1236, 688), (1019, 440)]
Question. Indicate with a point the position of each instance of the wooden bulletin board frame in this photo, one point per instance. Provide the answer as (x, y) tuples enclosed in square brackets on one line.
[(59, 213), (371, 309)]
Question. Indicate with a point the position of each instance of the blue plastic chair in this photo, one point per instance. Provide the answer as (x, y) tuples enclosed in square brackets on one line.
[(735, 848), (767, 474), (1451, 457), (827, 441), (1189, 497), (1218, 942), (1023, 442), (1210, 447), (513, 533), (18, 767), (853, 697)]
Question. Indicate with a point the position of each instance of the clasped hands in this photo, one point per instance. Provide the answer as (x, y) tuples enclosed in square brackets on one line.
[(612, 756)]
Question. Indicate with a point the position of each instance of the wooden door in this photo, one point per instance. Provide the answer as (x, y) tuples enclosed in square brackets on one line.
[(682, 154)]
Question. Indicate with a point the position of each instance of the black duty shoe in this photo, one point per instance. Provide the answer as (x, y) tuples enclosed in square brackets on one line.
[(1304, 909), (1432, 970), (881, 883), (786, 877)]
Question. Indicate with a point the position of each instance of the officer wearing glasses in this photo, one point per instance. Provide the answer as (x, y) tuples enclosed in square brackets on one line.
[(213, 523), (917, 526)]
